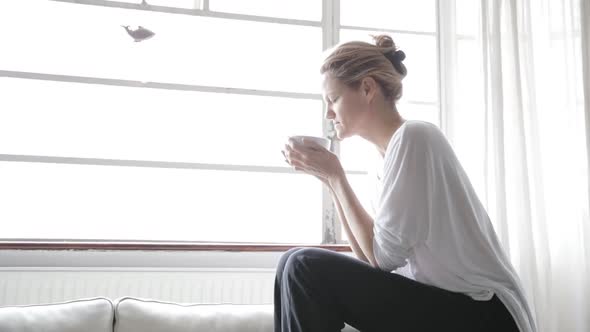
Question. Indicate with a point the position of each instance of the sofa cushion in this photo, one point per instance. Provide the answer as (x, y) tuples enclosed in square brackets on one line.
[(88, 315), (135, 315)]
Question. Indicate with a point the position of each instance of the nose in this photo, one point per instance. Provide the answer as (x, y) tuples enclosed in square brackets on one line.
[(329, 114)]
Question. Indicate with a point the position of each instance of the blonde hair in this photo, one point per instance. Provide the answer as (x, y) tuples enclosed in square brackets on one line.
[(351, 62)]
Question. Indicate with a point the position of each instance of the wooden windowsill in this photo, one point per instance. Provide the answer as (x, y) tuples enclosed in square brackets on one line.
[(165, 246)]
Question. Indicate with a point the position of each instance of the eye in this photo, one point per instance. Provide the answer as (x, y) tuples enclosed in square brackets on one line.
[(333, 100)]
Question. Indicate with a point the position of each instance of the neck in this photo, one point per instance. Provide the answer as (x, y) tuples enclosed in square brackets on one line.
[(383, 126)]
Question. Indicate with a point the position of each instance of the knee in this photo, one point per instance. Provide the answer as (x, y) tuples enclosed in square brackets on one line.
[(285, 257), (302, 261)]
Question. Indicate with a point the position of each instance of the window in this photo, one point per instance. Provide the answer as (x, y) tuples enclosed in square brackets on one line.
[(178, 138)]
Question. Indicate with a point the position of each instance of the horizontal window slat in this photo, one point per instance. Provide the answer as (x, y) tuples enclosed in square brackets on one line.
[(189, 7), (176, 246), (157, 85)]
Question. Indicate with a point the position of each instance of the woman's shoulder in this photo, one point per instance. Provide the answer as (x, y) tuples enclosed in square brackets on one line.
[(427, 137), (419, 127), (414, 131)]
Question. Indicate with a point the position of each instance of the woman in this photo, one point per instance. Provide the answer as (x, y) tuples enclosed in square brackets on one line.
[(428, 218)]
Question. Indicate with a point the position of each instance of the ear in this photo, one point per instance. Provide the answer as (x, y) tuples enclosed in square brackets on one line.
[(369, 88)]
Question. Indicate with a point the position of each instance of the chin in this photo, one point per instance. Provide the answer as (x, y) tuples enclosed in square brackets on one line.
[(341, 136)]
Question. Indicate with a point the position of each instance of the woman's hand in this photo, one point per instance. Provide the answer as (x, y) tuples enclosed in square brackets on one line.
[(313, 159)]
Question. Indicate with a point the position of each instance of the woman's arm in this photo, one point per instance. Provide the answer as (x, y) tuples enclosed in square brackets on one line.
[(325, 165), (356, 220), (351, 239)]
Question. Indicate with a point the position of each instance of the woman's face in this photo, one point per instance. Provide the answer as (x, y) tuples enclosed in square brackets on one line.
[(344, 106)]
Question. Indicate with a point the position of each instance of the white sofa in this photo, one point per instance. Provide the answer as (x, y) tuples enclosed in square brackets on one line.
[(129, 314)]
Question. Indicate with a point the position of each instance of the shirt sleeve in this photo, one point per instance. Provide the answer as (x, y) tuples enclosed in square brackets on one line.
[(402, 218)]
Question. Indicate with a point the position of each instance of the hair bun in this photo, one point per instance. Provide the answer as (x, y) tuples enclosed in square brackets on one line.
[(384, 41), (396, 59), (390, 50), (399, 55)]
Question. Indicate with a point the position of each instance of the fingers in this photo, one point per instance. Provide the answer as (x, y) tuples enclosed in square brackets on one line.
[(300, 155), (285, 156), (292, 153), (298, 162), (293, 145), (297, 166), (293, 159)]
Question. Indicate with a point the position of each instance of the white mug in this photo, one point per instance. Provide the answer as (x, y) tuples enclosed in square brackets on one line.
[(325, 142)]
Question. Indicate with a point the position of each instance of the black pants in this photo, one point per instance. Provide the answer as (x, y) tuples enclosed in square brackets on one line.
[(320, 290)]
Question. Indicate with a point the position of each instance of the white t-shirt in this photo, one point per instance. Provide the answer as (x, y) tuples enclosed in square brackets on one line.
[(429, 217)]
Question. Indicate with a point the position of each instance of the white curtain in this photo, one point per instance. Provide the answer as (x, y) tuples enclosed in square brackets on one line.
[(514, 108)]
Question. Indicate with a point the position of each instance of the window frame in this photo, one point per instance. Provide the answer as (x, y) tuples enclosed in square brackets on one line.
[(331, 227)]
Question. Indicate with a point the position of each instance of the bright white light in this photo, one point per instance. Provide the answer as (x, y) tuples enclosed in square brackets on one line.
[(96, 121)]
